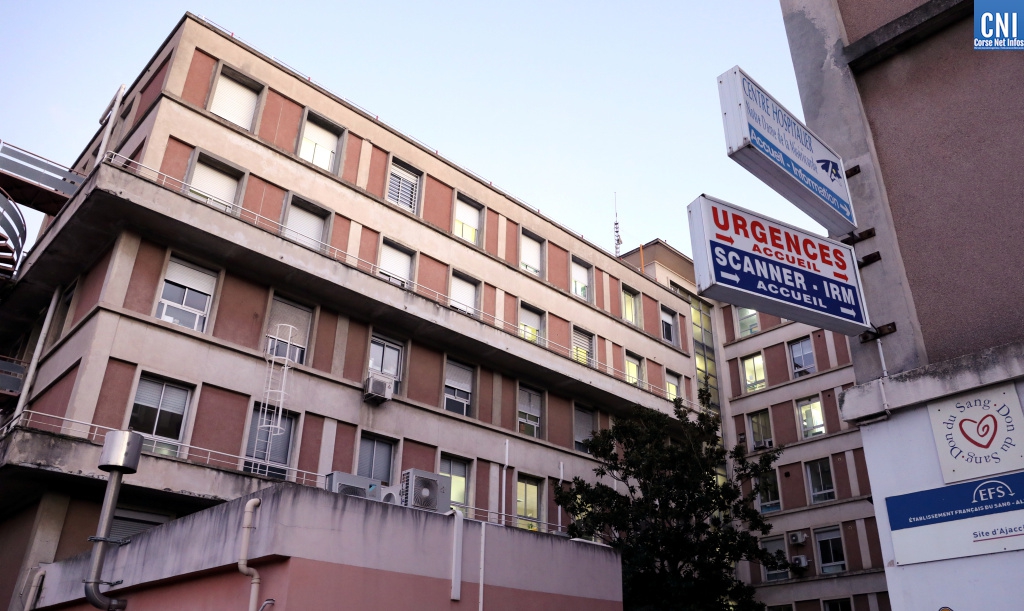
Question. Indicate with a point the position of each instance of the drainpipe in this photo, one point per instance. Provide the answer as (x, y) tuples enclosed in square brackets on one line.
[(504, 468), (483, 549), (561, 476), (120, 455), (33, 590), (30, 375), (115, 105), (243, 555), (456, 555)]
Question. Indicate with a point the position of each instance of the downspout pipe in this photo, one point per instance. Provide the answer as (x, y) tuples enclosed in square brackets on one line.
[(504, 469), (456, 593), (33, 590), (30, 375), (243, 555)]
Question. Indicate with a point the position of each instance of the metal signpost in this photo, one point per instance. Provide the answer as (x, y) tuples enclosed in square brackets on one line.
[(773, 145), (750, 260)]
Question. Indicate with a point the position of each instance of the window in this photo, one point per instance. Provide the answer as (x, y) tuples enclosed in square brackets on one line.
[(375, 459), (467, 221), (668, 327), (234, 101), (458, 388), (529, 411), (676, 288), (779, 608), (395, 264), (458, 470), (580, 280), (842, 604), (319, 146), (830, 550), (528, 503), (288, 330), (583, 426), (811, 419), (213, 186), (403, 186), (463, 294), (386, 358), (582, 347), (304, 226), (753, 372), (704, 349), (761, 429), (159, 410), (748, 321), (768, 497), (634, 369), (803, 357), (60, 315), (270, 440), (186, 296), (774, 546), (671, 385), (531, 323), (819, 474), (631, 306), (530, 254), (128, 523)]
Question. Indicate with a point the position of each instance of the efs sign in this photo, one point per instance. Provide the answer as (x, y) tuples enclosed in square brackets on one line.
[(979, 434)]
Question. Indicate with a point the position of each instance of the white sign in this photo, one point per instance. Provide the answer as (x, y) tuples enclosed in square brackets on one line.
[(749, 260), (773, 145), (978, 434)]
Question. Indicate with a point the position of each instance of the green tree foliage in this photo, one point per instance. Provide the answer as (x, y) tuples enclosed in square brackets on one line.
[(679, 523)]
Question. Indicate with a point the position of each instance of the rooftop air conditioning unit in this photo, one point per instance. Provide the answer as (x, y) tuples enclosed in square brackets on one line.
[(425, 490), (354, 485), (797, 538), (378, 389), (799, 561)]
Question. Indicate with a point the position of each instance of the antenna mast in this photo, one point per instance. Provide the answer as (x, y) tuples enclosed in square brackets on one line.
[(618, 238)]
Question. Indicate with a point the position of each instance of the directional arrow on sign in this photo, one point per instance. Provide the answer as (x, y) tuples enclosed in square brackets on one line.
[(732, 277)]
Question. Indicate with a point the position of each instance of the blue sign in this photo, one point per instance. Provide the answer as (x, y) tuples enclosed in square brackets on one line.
[(999, 25), (957, 502)]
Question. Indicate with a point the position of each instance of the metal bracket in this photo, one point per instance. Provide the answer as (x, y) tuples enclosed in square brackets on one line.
[(124, 541), (869, 259), (876, 332), (106, 583), (853, 171), (855, 237)]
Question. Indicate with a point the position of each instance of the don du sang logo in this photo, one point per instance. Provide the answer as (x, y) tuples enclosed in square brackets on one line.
[(979, 433)]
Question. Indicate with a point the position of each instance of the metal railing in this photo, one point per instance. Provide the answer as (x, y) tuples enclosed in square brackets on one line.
[(39, 170), (272, 226)]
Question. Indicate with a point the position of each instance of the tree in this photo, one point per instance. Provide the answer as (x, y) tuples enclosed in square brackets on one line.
[(679, 522)]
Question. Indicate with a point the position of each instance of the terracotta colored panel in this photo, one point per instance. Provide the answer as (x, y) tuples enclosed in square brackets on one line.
[(54, 401), (602, 353), (783, 418), (508, 404), (353, 147), (656, 375), (604, 421), (842, 349), (851, 544), (437, 203), (344, 447), (618, 360), (861, 468), (615, 296), (491, 234), (220, 421), (280, 121), (312, 438), (651, 316), (151, 92), (512, 242), (199, 79), (511, 317), (339, 234), (767, 321), (417, 455), (355, 351), (861, 602), (558, 266), (378, 172), (874, 547), (730, 325), (326, 333), (368, 246), (776, 364), (90, 288), (831, 410), (756, 573), (265, 201), (841, 475), (177, 155), (509, 507), (560, 420), (426, 370), (558, 334), (485, 396), (883, 601), (688, 383), (740, 422), (142, 287), (490, 303), (79, 524), (483, 488), (115, 394), (432, 276), (791, 486), (734, 377), (599, 288), (820, 350), (240, 312)]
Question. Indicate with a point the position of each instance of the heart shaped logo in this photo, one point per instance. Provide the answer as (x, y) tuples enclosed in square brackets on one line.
[(984, 432)]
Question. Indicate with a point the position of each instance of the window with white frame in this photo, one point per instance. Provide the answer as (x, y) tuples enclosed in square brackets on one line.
[(669, 326), (803, 357), (631, 306), (386, 358), (304, 226), (467, 220), (528, 503), (375, 457), (213, 185), (749, 324), (187, 294), (529, 411), (583, 347), (159, 411), (812, 420), (819, 474), (403, 186), (530, 249), (672, 383), (458, 388), (580, 279), (753, 372), (583, 426), (458, 470), (319, 145), (634, 369), (395, 264), (464, 294), (761, 430), (531, 323), (269, 443), (841, 604), (234, 101), (768, 497), (288, 330), (830, 550), (775, 547)]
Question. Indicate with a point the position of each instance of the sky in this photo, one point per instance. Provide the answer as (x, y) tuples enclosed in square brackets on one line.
[(568, 106)]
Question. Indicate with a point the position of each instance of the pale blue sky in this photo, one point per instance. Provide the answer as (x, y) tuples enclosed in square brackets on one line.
[(562, 104)]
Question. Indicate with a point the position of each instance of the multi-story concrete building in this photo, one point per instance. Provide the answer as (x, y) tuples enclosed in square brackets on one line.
[(245, 215)]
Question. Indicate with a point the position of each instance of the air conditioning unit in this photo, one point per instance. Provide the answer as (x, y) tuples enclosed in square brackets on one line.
[(763, 444), (799, 562), (425, 490), (354, 485), (389, 494), (797, 538), (378, 389)]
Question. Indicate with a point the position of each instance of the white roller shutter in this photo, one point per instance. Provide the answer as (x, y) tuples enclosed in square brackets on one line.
[(458, 376), (396, 263), (304, 227), (469, 216), (261, 445), (288, 314), (530, 256), (583, 424), (530, 319), (582, 346), (402, 187), (668, 333), (234, 102), (580, 280), (319, 146), (216, 183), (191, 277), (149, 392), (463, 294)]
